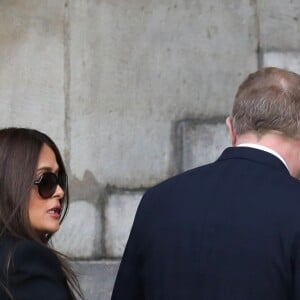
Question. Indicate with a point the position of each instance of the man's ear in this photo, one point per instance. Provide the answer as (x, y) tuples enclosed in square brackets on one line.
[(232, 134)]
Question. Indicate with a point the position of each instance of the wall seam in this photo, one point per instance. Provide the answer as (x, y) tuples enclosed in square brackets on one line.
[(258, 36), (67, 84)]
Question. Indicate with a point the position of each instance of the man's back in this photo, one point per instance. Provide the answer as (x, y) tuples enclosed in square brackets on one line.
[(228, 230)]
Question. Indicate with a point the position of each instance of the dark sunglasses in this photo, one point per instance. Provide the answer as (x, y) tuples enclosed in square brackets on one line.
[(48, 182)]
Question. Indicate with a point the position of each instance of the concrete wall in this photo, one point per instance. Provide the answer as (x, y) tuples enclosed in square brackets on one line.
[(133, 92)]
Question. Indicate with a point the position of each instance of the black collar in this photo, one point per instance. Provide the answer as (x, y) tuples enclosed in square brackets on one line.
[(256, 155)]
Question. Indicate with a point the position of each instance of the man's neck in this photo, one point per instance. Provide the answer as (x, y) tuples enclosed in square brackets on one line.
[(285, 147)]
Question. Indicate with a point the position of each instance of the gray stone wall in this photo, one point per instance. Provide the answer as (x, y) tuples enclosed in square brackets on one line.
[(133, 92)]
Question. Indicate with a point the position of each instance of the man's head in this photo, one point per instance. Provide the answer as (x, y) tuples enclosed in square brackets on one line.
[(268, 100), (266, 111)]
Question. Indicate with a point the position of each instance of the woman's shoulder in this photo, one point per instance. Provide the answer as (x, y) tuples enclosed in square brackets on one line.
[(7, 245), (33, 270), (28, 254), (9, 242)]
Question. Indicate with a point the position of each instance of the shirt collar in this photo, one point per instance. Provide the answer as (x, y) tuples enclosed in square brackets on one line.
[(264, 148)]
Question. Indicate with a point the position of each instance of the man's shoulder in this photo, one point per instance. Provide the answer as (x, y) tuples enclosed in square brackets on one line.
[(185, 177), (174, 186)]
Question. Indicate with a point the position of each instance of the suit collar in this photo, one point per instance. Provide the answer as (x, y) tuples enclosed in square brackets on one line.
[(264, 148), (255, 155)]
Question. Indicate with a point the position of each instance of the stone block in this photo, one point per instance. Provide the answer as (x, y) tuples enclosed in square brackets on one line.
[(32, 66), (279, 25), (202, 142), (286, 60), (96, 278), (80, 233), (119, 214), (138, 66)]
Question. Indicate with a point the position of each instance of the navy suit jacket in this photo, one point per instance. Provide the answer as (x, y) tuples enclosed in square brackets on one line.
[(34, 271), (229, 230)]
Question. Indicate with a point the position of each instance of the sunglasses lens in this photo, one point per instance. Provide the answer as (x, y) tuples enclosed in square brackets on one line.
[(48, 182), (47, 185)]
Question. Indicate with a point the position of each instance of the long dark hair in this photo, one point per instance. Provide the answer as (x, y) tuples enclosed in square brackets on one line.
[(19, 153)]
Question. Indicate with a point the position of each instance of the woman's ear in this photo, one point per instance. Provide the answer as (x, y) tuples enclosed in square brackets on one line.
[(232, 135)]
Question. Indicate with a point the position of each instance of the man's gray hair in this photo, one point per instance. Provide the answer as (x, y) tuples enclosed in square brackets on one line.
[(268, 100)]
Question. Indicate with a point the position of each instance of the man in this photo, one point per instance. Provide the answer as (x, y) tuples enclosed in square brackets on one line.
[(229, 230)]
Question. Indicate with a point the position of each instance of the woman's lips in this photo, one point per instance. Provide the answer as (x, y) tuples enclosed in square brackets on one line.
[(54, 212)]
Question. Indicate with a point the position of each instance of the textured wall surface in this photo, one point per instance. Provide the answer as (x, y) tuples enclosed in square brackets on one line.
[(133, 92)]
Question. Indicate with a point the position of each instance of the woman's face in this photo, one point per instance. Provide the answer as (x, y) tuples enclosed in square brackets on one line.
[(44, 214)]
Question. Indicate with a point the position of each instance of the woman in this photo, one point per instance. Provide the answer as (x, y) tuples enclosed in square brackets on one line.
[(33, 203)]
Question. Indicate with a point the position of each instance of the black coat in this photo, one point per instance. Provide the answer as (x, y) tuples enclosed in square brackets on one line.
[(229, 230), (34, 272)]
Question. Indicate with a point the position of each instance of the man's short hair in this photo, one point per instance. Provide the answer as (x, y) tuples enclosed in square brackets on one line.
[(268, 100)]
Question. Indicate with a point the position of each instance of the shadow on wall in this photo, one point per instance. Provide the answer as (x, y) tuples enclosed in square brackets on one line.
[(88, 188), (81, 234)]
